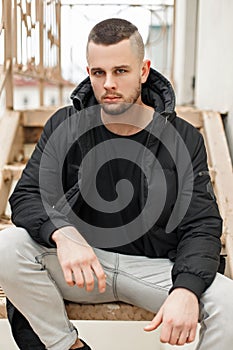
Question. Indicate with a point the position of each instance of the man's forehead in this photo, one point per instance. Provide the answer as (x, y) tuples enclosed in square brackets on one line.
[(116, 54)]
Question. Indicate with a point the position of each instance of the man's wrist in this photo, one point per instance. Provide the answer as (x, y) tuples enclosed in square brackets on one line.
[(57, 235), (185, 291), (68, 233)]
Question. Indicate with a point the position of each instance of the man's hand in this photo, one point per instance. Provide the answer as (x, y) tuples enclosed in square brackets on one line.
[(178, 317), (78, 260)]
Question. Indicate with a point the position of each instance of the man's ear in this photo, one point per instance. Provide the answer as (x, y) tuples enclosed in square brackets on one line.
[(145, 70), (88, 70)]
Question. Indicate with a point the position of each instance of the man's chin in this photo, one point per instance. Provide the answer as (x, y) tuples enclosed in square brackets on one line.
[(116, 109)]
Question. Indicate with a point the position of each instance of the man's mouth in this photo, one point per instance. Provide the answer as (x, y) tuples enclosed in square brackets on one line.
[(111, 98)]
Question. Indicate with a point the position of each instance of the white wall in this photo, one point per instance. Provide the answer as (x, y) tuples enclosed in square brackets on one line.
[(185, 43), (204, 49), (214, 74), (30, 95)]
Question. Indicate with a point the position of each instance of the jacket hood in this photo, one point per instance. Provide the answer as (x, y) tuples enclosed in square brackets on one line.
[(157, 92)]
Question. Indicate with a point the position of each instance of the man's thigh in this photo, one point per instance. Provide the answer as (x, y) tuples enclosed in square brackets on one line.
[(143, 281), (49, 262), (133, 279)]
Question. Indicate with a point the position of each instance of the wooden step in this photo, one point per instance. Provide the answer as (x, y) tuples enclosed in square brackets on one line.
[(8, 125), (36, 117), (28, 148), (12, 171), (10, 175), (107, 311)]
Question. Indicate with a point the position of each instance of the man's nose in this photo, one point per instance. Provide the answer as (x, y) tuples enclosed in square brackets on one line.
[(110, 82)]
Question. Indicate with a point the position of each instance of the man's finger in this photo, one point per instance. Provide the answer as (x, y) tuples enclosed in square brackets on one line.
[(68, 276), (78, 277), (157, 320), (171, 334), (192, 334), (101, 277), (167, 333), (88, 278)]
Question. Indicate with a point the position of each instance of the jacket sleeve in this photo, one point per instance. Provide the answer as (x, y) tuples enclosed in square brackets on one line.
[(199, 232), (32, 202)]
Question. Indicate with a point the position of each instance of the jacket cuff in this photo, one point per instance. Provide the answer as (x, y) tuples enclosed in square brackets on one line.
[(191, 282), (47, 229)]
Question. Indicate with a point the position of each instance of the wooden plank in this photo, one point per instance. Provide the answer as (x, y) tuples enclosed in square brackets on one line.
[(28, 149), (3, 313), (108, 311), (221, 163), (8, 131), (8, 128), (36, 117), (4, 74), (8, 53), (4, 194), (41, 48), (12, 171), (191, 115), (17, 149)]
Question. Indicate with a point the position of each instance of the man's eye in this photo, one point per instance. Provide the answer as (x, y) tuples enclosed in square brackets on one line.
[(98, 73), (120, 71)]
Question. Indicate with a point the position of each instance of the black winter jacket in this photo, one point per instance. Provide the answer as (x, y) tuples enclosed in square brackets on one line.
[(188, 228)]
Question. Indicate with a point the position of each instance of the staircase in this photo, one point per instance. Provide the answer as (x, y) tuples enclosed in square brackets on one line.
[(19, 132)]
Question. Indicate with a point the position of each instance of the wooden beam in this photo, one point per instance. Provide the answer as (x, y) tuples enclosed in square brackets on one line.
[(36, 117), (8, 52), (5, 188), (40, 9), (8, 127), (4, 72), (220, 161), (3, 312), (8, 130), (12, 171)]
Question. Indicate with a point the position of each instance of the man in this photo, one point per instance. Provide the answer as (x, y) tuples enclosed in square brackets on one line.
[(116, 204)]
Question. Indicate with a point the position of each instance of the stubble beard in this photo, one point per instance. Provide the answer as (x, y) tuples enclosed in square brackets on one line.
[(122, 107)]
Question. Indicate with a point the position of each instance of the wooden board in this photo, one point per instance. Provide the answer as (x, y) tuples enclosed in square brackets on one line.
[(220, 161), (37, 117)]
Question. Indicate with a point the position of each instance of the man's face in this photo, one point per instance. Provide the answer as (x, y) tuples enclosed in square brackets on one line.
[(116, 75)]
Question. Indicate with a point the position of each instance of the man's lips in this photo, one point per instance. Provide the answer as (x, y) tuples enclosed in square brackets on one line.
[(111, 98)]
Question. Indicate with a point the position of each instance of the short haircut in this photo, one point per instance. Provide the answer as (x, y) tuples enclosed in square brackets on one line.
[(113, 30)]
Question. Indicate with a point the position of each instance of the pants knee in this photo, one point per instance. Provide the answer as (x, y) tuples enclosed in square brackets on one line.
[(12, 241), (217, 298)]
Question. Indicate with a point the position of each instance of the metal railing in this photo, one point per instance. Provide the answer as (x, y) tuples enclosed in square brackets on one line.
[(30, 38)]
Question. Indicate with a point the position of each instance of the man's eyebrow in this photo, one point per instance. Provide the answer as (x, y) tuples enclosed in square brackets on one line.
[(96, 68), (122, 66), (126, 66)]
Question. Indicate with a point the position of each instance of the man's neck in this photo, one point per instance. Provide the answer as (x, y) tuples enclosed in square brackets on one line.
[(130, 122)]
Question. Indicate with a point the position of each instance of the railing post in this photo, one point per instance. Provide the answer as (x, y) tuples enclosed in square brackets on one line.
[(40, 14), (8, 52), (58, 18)]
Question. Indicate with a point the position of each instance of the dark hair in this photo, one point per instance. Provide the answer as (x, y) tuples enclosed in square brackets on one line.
[(113, 30)]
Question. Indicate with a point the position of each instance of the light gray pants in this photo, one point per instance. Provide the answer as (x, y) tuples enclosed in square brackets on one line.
[(32, 278)]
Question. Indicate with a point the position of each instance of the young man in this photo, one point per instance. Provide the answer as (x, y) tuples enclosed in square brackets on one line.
[(116, 204)]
